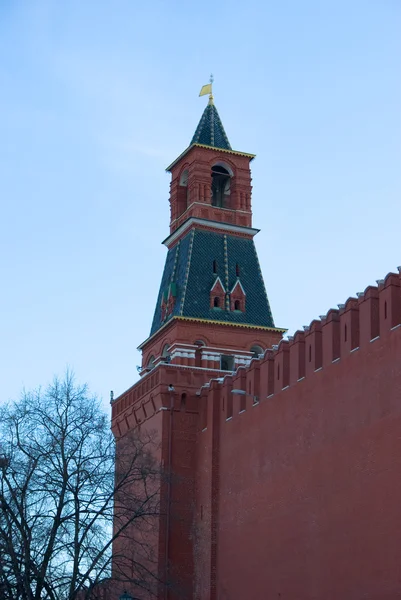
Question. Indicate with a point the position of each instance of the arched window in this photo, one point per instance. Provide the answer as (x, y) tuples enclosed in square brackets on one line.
[(237, 305), (151, 363), (216, 302), (221, 178), (385, 309), (215, 266), (257, 351)]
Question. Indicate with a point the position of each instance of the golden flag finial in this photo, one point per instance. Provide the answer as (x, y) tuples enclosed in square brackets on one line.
[(207, 89)]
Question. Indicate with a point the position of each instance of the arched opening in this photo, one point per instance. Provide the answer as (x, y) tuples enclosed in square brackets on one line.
[(216, 302), (215, 267), (183, 401), (237, 305), (151, 363), (165, 353), (221, 180), (237, 270), (257, 351), (184, 178), (183, 192), (385, 309)]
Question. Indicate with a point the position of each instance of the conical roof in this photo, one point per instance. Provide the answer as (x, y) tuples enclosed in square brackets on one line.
[(210, 130)]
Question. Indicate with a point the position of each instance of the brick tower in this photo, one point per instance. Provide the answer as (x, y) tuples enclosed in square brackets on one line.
[(212, 316)]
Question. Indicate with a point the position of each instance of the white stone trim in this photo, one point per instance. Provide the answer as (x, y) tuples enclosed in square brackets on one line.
[(242, 360), (212, 224), (210, 356), (227, 350), (184, 353)]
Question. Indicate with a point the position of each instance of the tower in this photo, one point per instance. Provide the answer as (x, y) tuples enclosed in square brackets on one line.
[(212, 316), (212, 310)]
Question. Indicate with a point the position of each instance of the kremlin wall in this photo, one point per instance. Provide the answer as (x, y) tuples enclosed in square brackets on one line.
[(294, 490), (281, 457)]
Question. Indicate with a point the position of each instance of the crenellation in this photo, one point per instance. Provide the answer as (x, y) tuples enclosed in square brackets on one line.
[(320, 344), (313, 347), (331, 337), (369, 315), (390, 303), (253, 380), (297, 357), (349, 326), (282, 365)]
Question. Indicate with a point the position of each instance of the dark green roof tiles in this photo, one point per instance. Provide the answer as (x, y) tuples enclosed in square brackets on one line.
[(210, 130), (189, 265)]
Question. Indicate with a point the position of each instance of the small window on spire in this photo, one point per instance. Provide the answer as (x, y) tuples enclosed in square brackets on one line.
[(216, 302), (237, 269), (237, 305), (215, 266)]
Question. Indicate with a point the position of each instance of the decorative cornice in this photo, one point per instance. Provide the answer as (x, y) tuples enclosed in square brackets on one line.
[(209, 322), (225, 227), (226, 324), (220, 208), (235, 152)]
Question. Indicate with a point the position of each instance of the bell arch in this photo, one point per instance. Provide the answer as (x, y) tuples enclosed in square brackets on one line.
[(183, 191), (221, 174)]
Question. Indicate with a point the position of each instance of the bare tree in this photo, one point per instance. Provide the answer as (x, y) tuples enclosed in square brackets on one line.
[(60, 484)]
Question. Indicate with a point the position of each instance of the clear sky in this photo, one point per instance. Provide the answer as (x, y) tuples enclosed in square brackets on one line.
[(98, 97)]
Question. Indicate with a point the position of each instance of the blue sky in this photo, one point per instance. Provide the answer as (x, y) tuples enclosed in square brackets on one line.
[(97, 98)]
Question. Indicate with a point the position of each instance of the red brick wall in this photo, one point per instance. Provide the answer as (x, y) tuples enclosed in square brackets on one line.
[(293, 491), (309, 479)]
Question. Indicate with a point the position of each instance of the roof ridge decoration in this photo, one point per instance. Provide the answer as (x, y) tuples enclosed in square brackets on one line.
[(191, 243)]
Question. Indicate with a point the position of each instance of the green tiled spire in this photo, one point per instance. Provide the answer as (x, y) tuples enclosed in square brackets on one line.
[(210, 130)]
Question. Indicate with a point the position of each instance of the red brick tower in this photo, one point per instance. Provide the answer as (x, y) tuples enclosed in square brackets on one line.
[(212, 315)]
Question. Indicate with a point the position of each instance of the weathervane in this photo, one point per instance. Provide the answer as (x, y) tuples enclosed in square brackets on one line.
[(207, 89)]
